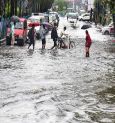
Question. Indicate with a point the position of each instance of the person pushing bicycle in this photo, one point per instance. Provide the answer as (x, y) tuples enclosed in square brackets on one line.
[(63, 39)]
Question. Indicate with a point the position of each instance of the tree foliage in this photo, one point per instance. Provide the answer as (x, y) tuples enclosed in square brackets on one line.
[(99, 11), (17, 7), (61, 4), (101, 7), (111, 4), (41, 5), (106, 4)]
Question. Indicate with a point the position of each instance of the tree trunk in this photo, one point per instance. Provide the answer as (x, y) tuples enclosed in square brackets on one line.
[(20, 8), (12, 8), (0, 7), (8, 8), (33, 6), (15, 7)]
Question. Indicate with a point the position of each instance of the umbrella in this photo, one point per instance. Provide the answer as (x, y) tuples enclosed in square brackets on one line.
[(34, 24), (47, 25), (15, 18), (85, 26)]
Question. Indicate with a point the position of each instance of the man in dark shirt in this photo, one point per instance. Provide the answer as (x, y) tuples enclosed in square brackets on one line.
[(54, 35), (31, 35)]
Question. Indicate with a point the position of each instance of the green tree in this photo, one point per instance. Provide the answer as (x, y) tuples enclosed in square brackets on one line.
[(41, 5), (99, 11), (61, 4), (15, 7), (111, 5)]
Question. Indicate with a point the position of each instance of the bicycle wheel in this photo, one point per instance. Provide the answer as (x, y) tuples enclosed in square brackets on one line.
[(71, 44), (58, 43)]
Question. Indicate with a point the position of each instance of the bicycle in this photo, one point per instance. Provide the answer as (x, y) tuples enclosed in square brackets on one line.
[(62, 44), (71, 42)]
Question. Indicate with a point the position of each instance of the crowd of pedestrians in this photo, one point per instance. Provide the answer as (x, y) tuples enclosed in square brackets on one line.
[(56, 38), (63, 43)]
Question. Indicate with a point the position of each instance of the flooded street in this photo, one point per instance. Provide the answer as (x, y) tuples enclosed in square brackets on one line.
[(58, 86)]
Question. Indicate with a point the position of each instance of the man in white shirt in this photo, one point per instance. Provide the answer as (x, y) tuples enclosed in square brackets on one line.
[(64, 36)]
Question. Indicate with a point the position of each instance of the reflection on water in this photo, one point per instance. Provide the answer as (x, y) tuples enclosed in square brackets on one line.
[(57, 86), (30, 52), (107, 95)]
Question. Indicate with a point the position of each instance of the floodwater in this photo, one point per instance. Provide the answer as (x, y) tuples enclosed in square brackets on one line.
[(58, 86)]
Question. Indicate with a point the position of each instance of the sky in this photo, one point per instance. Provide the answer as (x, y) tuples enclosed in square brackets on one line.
[(90, 4)]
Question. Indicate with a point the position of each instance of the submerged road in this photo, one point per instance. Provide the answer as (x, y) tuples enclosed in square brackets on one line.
[(58, 86)]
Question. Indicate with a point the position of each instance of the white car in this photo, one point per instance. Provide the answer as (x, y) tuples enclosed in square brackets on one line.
[(106, 30), (84, 17), (72, 17)]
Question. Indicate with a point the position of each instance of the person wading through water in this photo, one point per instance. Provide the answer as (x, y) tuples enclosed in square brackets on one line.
[(64, 41), (87, 43), (54, 35), (31, 35), (43, 36)]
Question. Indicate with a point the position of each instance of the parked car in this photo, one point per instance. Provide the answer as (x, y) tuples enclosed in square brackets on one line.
[(20, 32), (84, 17), (106, 30), (98, 28)]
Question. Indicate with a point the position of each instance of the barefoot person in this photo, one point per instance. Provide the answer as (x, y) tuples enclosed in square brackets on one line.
[(64, 35), (54, 35), (43, 36), (31, 35), (87, 43)]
